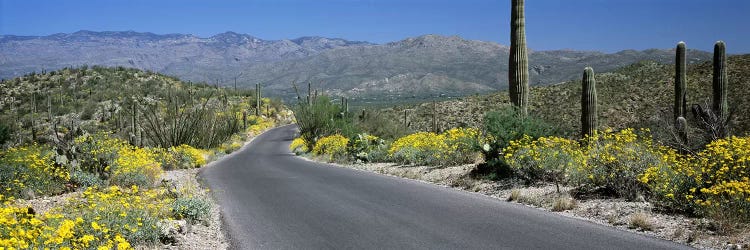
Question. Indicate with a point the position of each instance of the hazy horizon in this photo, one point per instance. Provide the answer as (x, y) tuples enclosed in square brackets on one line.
[(591, 25)]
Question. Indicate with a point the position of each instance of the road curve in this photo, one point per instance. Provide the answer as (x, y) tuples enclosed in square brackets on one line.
[(272, 199)]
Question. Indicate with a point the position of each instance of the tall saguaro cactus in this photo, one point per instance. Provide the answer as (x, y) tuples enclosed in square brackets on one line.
[(309, 93), (720, 105), (589, 120), (257, 99), (680, 91), (518, 74)]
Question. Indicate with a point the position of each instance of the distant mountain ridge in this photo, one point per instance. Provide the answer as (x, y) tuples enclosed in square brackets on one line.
[(424, 65)]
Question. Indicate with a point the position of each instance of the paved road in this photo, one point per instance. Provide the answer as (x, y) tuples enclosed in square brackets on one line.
[(272, 199)]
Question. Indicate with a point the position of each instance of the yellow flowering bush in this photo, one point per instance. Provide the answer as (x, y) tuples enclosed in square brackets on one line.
[(135, 166), (31, 170), (190, 157), (463, 144), (455, 146), (420, 148), (298, 146), (546, 159), (333, 147), (98, 219), (97, 152), (715, 181), (615, 161), (259, 124)]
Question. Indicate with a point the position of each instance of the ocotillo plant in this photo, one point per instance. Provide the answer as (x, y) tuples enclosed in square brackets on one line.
[(589, 120), (680, 91), (720, 105), (518, 74)]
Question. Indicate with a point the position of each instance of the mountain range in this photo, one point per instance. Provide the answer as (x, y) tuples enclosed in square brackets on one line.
[(427, 65)]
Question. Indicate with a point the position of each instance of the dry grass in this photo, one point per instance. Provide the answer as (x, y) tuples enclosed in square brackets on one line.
[(514, 195), (640, 221), (563, 203)]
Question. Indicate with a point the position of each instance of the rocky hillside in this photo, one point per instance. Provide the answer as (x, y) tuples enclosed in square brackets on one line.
[(219, 57), (421, 66), (638, 95)]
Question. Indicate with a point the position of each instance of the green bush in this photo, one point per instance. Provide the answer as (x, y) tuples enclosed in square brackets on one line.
[(5, 132), (382, 125), (127, 179), (85, 179), (365, 147), (502, 127), (322, 118), (191, 209)]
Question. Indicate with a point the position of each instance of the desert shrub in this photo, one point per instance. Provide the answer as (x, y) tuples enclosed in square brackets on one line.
[(563, 203), (31, 170), (322, 118), (502, 127), (463, 145), (191, 208), (615, 162), (455, 146), (6, 132), (188, 156), (722, 172), (544, 159), (423, 148), (381, 124), (333, 147), (259, 124), (111, 218), (364, 145), (298, 146), (380, 154), (135, 166), (86, 179), (508, 125), (640, 221), (96, 152), (671, 183)]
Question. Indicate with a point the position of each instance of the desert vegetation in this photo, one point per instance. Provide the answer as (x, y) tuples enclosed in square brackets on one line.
[(616, 135), (103, 137)]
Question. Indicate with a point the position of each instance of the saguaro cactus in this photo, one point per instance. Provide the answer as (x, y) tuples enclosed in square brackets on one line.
[(589, 120), (518, 74), (257, 99), (681, 125), (720, 105), (434, 117), (680, 91), (309, 93)]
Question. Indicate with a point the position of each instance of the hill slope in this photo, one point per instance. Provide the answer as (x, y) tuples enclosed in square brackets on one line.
[(143, 107), (420, 66), (638, 95)]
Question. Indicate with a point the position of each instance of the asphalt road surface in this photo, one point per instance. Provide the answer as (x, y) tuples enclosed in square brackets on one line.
[(272, 199)]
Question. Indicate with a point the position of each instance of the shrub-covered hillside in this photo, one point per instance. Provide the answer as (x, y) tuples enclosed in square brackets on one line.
[(144, 108), (103, 137), (639, 95)]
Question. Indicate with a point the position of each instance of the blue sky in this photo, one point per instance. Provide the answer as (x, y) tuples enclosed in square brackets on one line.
[(604, 25)]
